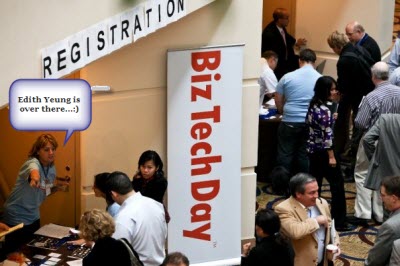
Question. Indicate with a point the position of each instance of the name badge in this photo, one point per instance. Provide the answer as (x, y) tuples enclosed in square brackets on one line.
[(48, 189)]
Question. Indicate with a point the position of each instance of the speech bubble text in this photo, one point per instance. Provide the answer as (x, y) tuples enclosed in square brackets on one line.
[(53, 105)]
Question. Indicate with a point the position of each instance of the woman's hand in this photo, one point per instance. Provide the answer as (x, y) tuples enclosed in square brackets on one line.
[(335, 115), (3, 227), (81, 242), (33, 182), (137, 175)]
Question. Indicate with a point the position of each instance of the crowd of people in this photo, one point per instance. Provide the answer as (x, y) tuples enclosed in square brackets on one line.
[(315, 140)]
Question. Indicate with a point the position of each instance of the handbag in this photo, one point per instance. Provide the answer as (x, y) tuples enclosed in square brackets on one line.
[(135, 261)]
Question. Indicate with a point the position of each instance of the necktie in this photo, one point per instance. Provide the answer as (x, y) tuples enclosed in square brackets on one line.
[(284, 40), (308, 212), (283, 36)]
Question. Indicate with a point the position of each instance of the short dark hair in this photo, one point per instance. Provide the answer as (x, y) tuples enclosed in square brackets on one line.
[(268, 221), (308, 55), (100, 182), (298, 183), (268, 54), (118, 182), (392, 185), (175, 258)]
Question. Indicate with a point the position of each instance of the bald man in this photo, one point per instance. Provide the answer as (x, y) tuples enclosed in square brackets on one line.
[(357, 35)]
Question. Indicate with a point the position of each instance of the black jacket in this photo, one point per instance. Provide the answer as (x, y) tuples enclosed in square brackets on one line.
[(154, 189), (353, 81), (268, 252), (108, 251), (372, 47), (273, 40)]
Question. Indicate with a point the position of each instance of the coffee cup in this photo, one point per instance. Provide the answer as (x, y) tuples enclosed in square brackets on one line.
[(331, 250)]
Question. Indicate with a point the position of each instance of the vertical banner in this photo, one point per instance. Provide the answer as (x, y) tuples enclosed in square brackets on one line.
[(204, 153)]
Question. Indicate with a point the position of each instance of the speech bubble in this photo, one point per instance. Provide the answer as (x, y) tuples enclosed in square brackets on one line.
[(51, 104)]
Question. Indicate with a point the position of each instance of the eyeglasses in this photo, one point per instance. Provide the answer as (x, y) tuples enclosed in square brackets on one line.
[(349, 33)]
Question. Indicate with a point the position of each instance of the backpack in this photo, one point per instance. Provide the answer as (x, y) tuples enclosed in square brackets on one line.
[(365, 63)]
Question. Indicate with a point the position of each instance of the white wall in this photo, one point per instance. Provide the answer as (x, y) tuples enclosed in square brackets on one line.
[(316, 19)]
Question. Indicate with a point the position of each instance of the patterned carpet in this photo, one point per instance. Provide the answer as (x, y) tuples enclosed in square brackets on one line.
[(354, 244)]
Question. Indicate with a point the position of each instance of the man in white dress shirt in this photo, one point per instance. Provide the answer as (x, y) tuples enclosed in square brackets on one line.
[(140, 220)]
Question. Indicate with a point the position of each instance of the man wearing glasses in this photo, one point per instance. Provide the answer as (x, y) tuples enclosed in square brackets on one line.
[(390, 230), (357, 35)]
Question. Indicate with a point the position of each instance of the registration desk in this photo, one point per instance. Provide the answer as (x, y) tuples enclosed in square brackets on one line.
[(50, 247), (267, 147), (63, 255)]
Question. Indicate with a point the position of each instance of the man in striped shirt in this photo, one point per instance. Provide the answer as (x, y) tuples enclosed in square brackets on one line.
[(385, 98)]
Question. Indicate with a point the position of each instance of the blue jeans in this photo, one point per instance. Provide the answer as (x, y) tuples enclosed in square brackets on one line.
[(292, 143)]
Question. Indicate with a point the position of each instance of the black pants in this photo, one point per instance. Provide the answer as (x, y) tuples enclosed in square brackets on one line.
[(19, 237), (348, 108), (292, 144), (320, 168)]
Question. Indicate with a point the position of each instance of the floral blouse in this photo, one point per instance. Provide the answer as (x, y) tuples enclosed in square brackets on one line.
[(320, 135)]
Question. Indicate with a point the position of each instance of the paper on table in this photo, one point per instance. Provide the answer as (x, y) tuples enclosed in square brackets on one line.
[(75, 263), (53, 230), (333, 232)]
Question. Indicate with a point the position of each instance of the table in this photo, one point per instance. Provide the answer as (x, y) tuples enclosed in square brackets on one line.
[(267, 147), (67, 253)]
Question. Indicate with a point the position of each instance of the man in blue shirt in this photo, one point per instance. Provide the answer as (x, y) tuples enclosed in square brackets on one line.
[(293, 95)]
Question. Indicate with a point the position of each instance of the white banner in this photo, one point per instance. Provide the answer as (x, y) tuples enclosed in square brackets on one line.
[(204, 153), (103, 38)]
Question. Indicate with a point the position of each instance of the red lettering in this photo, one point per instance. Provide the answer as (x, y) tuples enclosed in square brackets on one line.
[(203, 60), (214, 114), (201, 146), (201, 130), (201, 207), (199, 232), (205, 185), (206, 161), (201, 93)]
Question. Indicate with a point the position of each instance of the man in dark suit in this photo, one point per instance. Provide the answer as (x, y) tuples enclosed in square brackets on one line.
[(357, 35), (276, 38)]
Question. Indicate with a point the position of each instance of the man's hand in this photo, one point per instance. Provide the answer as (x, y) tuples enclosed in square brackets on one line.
[(246, 249), (301, 42), (322, 220)]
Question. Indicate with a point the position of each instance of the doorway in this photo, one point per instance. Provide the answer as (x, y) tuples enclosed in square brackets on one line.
[(62, 207)]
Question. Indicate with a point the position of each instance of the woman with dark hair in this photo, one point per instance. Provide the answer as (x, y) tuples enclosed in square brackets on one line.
[(99, 188), (320, 119), (149, 179), (272, 249)]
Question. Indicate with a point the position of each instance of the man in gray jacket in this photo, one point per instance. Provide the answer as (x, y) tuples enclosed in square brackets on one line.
[(385, 159), (379, 254)]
